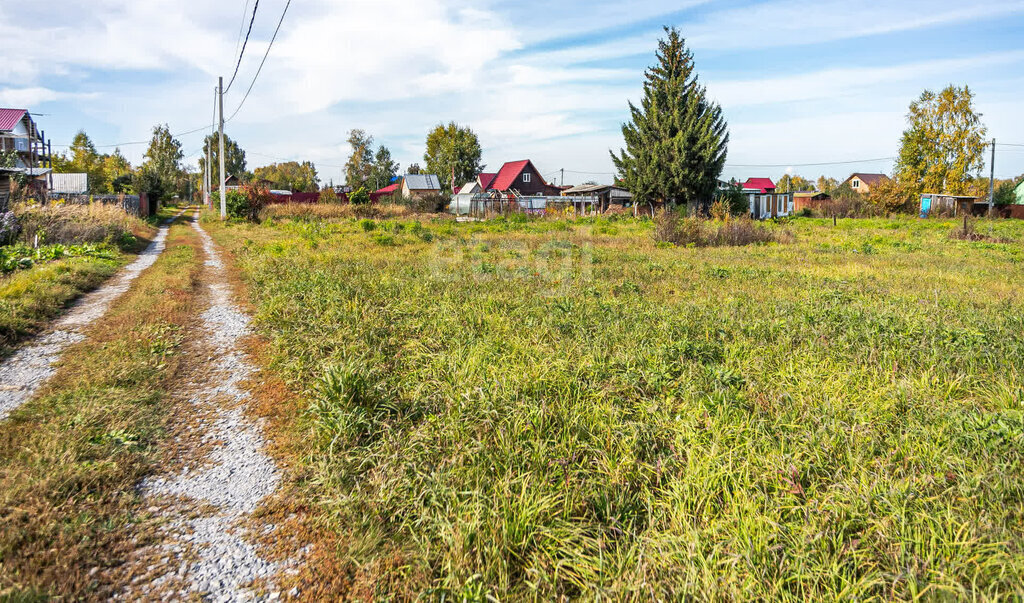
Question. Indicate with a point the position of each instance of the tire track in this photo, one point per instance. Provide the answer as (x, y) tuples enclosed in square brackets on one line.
[(205, 505)]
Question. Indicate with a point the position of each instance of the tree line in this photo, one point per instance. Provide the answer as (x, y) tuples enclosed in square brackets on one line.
[(676, 144), (452, 154)]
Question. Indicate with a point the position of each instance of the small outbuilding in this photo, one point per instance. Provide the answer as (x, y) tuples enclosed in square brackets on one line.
[(605, 194), (420, 186), (935, 203)]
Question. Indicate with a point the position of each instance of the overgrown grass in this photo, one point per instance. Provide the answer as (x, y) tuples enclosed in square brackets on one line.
[(533, 411), (71, 458), (310, 211), (72, 224), (38, 282)]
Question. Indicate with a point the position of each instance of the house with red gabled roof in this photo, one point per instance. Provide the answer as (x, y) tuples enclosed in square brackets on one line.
[(485, 179), (762, 185), (523, 178)]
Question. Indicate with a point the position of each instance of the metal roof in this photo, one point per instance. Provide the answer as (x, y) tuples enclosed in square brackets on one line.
[(508, 174), (68, 184), (761, 184), (422, 182), (10, 118)]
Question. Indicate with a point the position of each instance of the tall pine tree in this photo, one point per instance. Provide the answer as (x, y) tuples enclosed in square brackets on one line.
[(676, 141)]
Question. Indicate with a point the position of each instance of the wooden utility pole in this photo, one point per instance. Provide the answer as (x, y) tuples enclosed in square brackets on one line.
[(223, 187)]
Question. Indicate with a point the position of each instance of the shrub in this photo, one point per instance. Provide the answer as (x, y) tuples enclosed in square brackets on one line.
[(669, 228), (9, 228), (359, 197), (257, 197), (328, 196), (666, 227)]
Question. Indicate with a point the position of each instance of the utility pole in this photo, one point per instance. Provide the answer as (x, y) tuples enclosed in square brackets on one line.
[(206, 174), (561, 182), (992, 179), (223, 188)]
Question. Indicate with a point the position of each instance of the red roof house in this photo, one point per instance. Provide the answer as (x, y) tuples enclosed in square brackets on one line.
[(387, 190), (485, 180), (522, 177), (764, 185)]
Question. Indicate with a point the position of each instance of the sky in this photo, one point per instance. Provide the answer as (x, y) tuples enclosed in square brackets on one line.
[(799, 82)]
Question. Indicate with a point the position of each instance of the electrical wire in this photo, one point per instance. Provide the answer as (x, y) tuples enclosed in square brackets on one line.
[(244, 44), (784, 165), (241, 24), (269, 46)]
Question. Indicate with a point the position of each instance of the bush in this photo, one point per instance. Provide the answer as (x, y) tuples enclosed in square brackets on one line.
[(671, 229), (245, 203), (328, 196), (359, 197), (9, 228)]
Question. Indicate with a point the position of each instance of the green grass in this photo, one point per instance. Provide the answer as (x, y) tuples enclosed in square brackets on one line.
[(71, 458), (537, 409), (30, 298)]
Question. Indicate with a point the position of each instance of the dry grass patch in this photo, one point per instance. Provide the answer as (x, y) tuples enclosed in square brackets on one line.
[(71, 458)]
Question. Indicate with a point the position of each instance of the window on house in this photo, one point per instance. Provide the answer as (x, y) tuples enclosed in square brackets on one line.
[(855, 184), (526, 177)]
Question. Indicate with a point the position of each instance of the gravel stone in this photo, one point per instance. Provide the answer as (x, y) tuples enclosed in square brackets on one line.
[(235, 477)]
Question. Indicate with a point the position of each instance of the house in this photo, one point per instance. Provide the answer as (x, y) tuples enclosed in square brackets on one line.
[(605, 195), (388, 190), (761, 185), (521, 178), (809, 200), (68, 184), (1020, 192), (420, 186), (863, 183), (18, 132)]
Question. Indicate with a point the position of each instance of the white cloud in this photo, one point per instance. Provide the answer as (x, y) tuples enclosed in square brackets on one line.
[(533, 78), (29, 97)]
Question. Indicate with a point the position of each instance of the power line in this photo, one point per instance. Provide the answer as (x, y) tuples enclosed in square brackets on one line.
[(269, 46), (785, 165), (244, 44), (241, 25)]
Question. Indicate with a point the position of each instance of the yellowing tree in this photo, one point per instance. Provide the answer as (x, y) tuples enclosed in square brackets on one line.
[(944, 146)]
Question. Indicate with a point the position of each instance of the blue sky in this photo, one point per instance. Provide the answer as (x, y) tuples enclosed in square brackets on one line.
[(800, 82)]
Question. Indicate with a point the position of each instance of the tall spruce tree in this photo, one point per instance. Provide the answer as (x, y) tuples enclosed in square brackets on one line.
[(676, 142)]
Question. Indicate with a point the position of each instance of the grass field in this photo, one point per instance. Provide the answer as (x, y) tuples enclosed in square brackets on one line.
[(551, 409)]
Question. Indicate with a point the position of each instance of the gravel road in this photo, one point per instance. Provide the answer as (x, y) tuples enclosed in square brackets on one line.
[(207, 555), (35, 362)]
